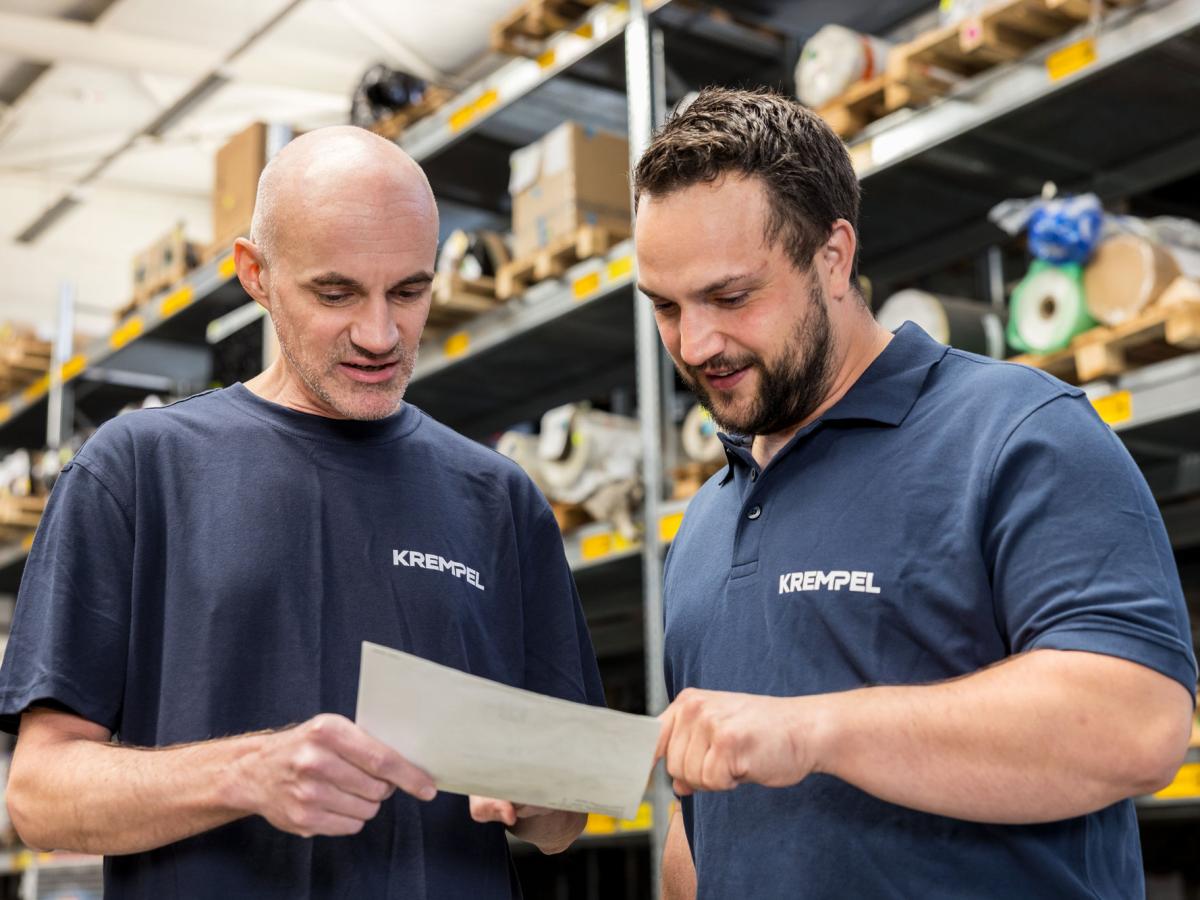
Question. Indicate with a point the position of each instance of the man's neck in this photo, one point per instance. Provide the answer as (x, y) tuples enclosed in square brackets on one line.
[(864, 340)]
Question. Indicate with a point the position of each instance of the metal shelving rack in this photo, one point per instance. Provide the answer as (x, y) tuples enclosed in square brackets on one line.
[(951, 161)]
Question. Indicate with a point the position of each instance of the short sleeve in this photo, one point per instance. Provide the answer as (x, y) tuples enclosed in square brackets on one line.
[(559, 659), (1076, 548), (70, 634)]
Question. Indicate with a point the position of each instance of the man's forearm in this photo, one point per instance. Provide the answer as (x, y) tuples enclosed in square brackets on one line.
[(553, 832), (109, 799), (1044, 736)]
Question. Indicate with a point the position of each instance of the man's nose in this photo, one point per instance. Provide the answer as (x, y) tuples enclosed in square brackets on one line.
[(374, 328)]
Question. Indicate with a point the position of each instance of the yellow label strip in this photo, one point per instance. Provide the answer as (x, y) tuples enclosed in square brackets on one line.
[(126, 333), (35, 390), (174, 302), (620, 267), (73, 367), (1115, 408), (457, 344), (226, 268), (586, 286), (1071, 59), (668, 526), (546, 60), (469, 112)]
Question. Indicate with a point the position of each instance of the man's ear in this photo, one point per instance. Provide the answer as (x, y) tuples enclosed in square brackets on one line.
[(838, 256), (252, 271)]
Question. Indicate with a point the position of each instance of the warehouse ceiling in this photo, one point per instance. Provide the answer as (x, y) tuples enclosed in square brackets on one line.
[(111, 112)]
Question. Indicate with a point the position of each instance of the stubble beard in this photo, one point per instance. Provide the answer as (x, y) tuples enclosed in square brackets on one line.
[(789, 391), (317, 382)]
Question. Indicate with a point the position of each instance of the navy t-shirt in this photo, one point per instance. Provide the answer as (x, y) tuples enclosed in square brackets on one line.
[(213, 567), (948, 512)]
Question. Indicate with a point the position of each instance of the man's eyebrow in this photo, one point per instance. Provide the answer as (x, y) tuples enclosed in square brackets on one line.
[(721, 284), (712, 287), (335, 279), (415, 278)]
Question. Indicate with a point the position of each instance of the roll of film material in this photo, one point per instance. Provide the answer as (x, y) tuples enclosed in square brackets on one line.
[(698, 436), (966, 324), (1048, 308), (835, 58)]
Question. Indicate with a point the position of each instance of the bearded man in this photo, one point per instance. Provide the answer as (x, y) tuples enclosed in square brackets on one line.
[(187, 636), (924, 634)]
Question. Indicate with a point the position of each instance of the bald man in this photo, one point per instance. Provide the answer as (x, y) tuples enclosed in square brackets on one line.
[(206, 573)]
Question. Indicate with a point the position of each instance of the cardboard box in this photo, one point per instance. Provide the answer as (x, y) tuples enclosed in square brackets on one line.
[(162, 264), (573, 176)]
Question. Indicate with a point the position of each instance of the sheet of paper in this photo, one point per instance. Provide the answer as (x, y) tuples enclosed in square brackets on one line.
[(475, 736)]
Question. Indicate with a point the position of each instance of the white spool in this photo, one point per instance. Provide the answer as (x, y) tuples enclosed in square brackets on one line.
[(835, 58), (699, 437), (965, 324)]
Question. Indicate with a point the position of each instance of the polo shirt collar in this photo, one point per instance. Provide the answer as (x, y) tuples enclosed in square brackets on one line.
[(884, 393)]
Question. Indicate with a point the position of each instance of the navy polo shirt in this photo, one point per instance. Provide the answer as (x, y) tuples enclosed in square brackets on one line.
[(212, 568), (948, 512)]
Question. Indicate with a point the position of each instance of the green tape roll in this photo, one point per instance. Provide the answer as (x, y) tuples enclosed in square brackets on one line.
[(1048, 308)]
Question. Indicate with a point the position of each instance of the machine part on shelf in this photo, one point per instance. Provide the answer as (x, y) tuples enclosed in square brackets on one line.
[(16, 474), (522, 449), (583, 450), (473, 254), (1048, 308), (1126, 274), (382, 92), (699, 437), (835, 58), (617, 503), (965, 324)]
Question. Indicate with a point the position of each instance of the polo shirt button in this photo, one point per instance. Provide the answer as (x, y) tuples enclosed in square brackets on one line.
[(754, 474), (754, 513)]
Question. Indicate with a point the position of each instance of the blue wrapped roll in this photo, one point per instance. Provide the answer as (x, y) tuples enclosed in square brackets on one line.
[(1066, 230)]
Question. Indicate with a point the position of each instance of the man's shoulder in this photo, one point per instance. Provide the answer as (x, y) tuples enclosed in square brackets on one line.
[(978, 389), (131, 431), (462, 455)]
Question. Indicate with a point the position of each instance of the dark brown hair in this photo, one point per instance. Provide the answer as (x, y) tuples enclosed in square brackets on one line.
[(804, 166)]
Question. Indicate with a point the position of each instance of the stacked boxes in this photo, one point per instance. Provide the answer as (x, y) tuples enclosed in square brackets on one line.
[(574, 176)]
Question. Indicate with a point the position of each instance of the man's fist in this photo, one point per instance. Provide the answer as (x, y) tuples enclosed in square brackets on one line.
[(716, 740), (327, 776)]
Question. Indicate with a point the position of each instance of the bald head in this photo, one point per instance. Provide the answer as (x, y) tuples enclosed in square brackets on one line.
[(339, 169)]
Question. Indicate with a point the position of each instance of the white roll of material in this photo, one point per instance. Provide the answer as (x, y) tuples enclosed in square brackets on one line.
[(582, 450), (965, 324), (699, 437), (835, 58), (522, 449)]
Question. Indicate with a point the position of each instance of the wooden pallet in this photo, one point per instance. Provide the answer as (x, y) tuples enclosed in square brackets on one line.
[(524, 31), (1002, 32), (569, 516), (23, 359), (393, 126), (869, 100), (456, 299), (20, 513), (688, 478), (555, 258), (1157, 334)]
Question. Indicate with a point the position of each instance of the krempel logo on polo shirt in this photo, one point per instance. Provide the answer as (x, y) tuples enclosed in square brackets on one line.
[(414, 559), (836, 580)]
